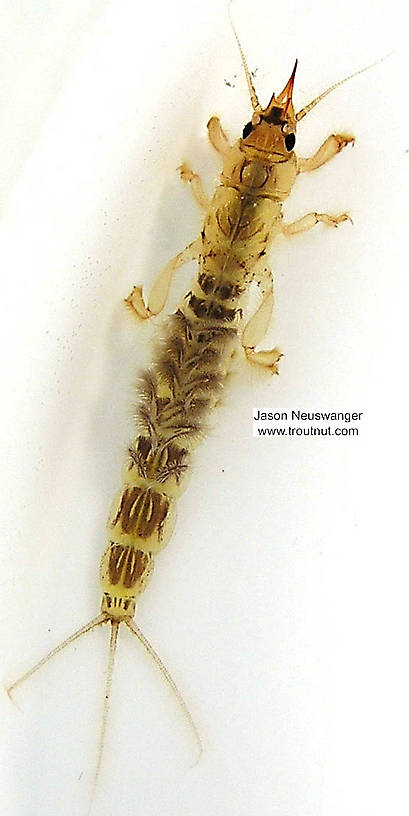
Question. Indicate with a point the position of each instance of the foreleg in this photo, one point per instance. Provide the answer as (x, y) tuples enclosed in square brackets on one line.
[(217, 136), (333, 145)]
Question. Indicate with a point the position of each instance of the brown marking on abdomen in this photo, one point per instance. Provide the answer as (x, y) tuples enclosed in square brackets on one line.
[(128, 566), (206, 282), (203, 308), (141, 511)]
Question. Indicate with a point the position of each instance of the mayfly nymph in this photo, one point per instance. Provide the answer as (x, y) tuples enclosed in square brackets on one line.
[(180, 389)]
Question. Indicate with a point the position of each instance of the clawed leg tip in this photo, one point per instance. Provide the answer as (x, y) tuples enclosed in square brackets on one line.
[(265, 359), (136, 304), (185, 172)]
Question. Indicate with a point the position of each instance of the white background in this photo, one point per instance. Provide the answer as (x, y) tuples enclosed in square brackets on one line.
[(280, 605)]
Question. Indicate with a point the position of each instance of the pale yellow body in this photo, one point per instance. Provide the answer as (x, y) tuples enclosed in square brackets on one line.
[(181, 388), (242, 219), (241, 222)]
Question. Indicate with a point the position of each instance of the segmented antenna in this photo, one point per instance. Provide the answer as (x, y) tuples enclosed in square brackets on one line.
[(304, 111), (253, 96)]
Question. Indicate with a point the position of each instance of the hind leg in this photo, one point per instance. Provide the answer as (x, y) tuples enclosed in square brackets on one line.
[(160, 289), (258, 325)]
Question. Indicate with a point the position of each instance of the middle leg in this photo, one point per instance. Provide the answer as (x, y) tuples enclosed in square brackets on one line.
[(309, 221), (190, 177)]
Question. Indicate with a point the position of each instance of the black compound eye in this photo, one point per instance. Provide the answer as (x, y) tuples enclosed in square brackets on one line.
[(290, 141), (247, 130)]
